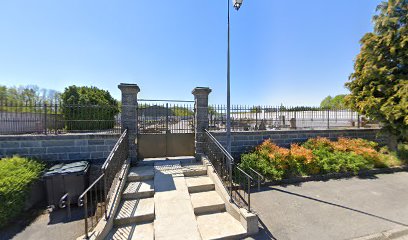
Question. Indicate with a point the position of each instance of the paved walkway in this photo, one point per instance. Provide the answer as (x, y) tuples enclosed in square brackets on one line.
[(175, 217), (48, 226), (335, 209)]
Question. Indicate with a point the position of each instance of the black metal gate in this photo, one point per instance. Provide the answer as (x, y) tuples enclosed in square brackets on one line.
[(165, 128)]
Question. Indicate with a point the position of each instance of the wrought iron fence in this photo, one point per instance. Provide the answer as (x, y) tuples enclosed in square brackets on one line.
[(235, 180), (97, 198), (250, 118), (161, 116), (57, 118)]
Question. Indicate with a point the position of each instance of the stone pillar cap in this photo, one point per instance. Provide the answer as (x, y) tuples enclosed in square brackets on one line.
[(129, 87), (201, 91)]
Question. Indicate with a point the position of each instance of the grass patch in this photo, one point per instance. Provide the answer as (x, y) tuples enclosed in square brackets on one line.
[(320, 156), (16, 176)]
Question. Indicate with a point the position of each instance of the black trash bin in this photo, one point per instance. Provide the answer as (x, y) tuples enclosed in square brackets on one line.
[(69, 178)]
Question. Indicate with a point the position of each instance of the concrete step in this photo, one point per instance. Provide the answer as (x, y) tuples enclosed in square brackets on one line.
[(199, 184), (135, 211), (190, 170), (220, 226), (207, 202), (137, 174), (166, 160), (136, 190), (144, 231)]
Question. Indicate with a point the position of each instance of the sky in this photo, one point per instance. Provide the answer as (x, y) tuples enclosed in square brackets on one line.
[(282, 52)]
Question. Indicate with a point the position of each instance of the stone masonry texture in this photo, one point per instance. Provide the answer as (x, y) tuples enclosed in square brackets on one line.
[(129, 115), (246, 141), (201, 116), (59, 148)]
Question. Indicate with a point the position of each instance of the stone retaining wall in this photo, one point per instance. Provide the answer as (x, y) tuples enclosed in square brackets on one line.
[(242, 142), (70, 147)]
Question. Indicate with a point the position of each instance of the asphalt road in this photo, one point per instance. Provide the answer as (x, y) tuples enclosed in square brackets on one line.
[(334, 209)]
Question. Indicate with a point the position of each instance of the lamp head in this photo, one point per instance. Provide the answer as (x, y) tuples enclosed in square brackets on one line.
[(237, 4)]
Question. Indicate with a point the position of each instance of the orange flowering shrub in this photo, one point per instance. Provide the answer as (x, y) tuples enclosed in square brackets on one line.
[(273, 151), (319, 142), (317, 155), (301, 153), (360, 147)]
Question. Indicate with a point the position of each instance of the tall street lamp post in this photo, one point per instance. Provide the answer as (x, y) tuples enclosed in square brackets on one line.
[(237, 5)]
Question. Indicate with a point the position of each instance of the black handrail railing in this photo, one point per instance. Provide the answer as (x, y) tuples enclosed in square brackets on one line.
[(235, 180), (259, 177), (97, 196)]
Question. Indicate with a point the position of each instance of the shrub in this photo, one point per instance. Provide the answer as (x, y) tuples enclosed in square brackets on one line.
[(320, 155), (88, 108), (16, 176)]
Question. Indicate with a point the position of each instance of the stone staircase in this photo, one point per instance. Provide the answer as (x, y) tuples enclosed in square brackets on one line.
[(173, 200)]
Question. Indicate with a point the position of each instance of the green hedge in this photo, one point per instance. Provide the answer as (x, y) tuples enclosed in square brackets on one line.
[(16, 176)]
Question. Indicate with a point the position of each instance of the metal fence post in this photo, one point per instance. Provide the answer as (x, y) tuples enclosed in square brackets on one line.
[(45, 118), (249, 194), (328, 118), (167, 117), (256, 118), (358, 120), (231, 183), (86, 216)]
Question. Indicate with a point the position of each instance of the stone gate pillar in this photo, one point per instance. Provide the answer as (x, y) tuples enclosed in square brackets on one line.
[(201, 116), (129, 115)]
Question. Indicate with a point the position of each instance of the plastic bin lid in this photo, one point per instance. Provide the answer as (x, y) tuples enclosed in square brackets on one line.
[(74, 167)]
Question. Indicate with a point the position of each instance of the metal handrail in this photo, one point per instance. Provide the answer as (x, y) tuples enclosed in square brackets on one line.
[(230, 175), (110, 156), (260, 177), (219, 145), (100, 191)]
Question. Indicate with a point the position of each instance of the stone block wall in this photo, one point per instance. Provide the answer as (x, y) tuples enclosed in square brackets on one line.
[(59, 148), (245, 141)]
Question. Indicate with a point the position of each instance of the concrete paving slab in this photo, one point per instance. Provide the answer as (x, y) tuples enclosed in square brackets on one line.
[(195, 169), (166, 160), (134, 190), (220, 226), (132, 232), (336, 209), (141, 173), (199, 184), (207, 202), (135, 211), (175, 217)]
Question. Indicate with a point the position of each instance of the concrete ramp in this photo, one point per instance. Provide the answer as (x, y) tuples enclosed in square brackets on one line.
[(175, 217)]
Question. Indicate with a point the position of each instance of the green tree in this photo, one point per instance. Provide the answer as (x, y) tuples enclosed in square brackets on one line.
[(336, 102), (88, 108), (326, 102), (379, 83)]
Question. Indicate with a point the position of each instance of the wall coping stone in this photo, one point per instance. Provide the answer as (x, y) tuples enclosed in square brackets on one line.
[(265, 132), (58, 137)]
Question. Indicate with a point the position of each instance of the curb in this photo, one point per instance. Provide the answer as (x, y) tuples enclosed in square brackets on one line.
[(329, 176), (386, 235)]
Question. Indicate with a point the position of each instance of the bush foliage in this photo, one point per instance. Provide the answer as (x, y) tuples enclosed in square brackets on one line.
[(318, 156), (16, 176), (379, 83), (88, 108)]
